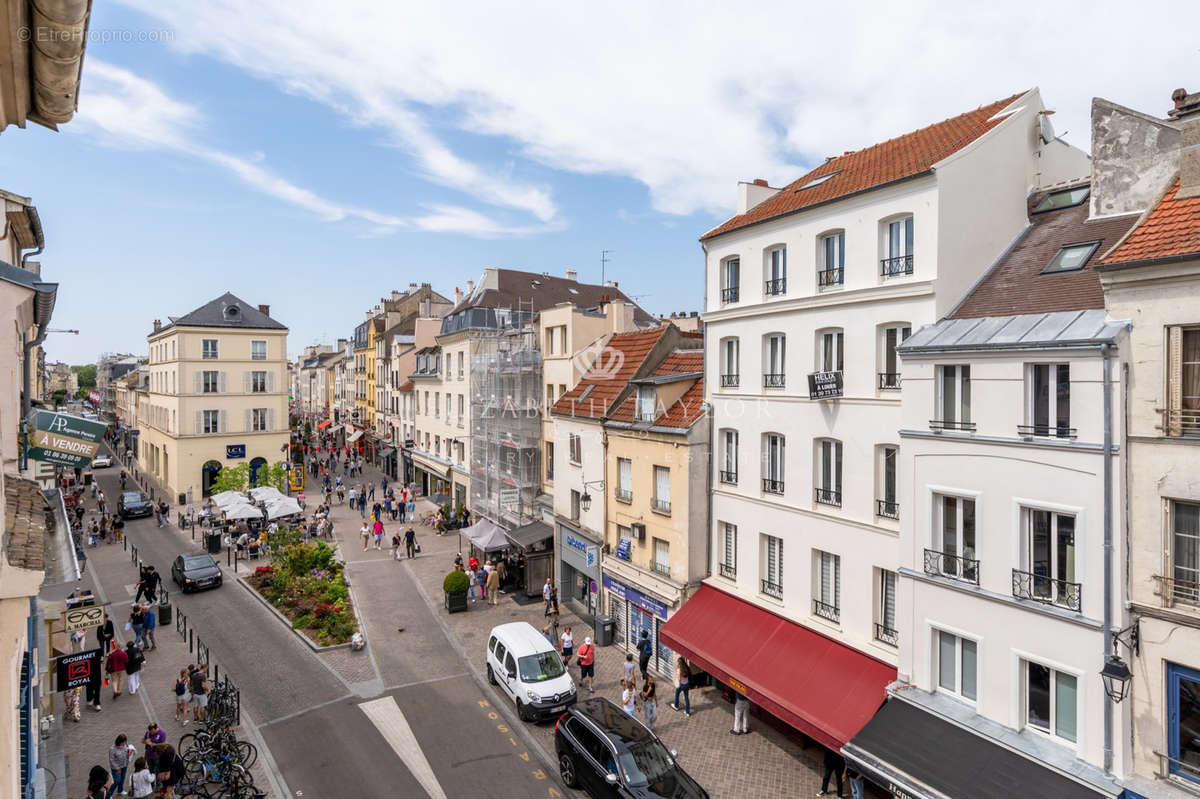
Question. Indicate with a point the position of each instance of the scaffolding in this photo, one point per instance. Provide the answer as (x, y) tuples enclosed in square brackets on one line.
[(506, 422)]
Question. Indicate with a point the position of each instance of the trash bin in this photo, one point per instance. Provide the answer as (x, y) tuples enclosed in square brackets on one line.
[(164, 610), (183, 499), (605, 626), (212, 543)]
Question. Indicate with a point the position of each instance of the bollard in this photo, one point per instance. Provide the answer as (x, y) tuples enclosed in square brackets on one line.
[(190, 641)]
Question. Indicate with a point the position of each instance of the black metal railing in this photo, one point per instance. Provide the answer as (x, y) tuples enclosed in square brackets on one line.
[(1039, 588), (826, 610), (661, 568), (830, 277), (771, 589), (623, 494), (889, 381), (938, 425), (893, 267), (730, 294), (729, 381), (729, 477), (886, 635), (1045, 431), (827, 496), (773, 380), (728, 571), (957, 567), (887, 508), (662, 505), (772, 486), (776, 287)]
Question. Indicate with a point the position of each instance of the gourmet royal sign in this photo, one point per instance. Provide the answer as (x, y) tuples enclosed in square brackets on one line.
[(64, 439)]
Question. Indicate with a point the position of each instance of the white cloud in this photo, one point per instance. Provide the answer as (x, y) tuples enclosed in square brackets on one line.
[(685, 98)]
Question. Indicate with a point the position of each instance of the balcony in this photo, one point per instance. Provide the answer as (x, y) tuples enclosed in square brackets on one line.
[(1036, 587), (728, 571), (887, 509), (729, 478), (886, 635), (1178, 422), (830, 277), (940, 425), (772, 486), (944, 564), (773, 380), (827, 496), (776, 287), (1045, 431), (771, 589), (826, 611), (889, 381), (623, 495), (1173, 589), (661, 568), (729, 295), (895, 267), (729, 381), (661, 505)]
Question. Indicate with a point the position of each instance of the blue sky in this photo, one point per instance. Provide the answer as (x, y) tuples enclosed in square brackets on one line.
[(314, 163)]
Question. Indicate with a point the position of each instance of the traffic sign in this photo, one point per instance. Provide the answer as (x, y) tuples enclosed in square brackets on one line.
[(83, 618)]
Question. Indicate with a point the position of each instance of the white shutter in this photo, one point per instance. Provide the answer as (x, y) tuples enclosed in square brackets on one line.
[(270, 419), (199, 387), (889, 600), (247, 378), (199, 422), (662, 481), (1174, 426), (826, 577), (271, 382), (223, 421), (221, 382), (249, 420)]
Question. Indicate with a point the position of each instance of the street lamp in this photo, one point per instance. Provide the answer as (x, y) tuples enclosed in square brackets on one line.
[(585, 501), (1116, 674)]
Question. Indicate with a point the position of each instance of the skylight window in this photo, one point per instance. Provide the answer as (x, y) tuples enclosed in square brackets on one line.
[(817, 181), (1071, 257), (1063, 199), (573, 291)]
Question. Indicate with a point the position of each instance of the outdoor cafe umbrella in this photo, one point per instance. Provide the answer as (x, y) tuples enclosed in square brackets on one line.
[(283, 506), (265, 493), (228, 499), (243, 511)]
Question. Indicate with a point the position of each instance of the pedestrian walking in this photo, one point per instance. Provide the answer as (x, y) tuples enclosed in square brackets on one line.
[(645, 650), (493, 585), (120, 758), (568, 645), (587, 663), (629, 697), (834, 767), (180, 689), (741, 714), (628, 666), (395, 546), (546, 589), (858, 790), (401, 507), (378, 531), (137, 622), (141, 781), (371, 492), (410, 542), (365, 532), (683, 676), (133, 666), (649, 701), (114, 666), (150, 624), (412, 509), (105, 633)]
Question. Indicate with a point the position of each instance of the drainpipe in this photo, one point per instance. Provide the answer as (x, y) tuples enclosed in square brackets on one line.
[(1106, 354), (708, 412)]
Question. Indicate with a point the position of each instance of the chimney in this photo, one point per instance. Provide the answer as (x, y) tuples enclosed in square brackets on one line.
[(470, 287), (751, 193), (760, 182), (412, 288), (265, 310), (157, 325), (572, 275), (1187, 113), (458, 295), (396, 295), (612, 283)]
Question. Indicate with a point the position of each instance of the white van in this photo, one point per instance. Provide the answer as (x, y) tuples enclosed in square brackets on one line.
[(528, 669)]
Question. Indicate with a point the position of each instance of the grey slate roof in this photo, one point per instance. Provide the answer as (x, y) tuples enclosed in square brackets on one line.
[(212, 314), (1024, 331)]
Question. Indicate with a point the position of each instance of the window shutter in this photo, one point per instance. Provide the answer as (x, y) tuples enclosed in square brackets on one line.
[(1174, 421), (199, 386), (199, 422), (247, 380), (223, 421), (221, 382), (837, 466), (825, 575), (889, 600), (249, 420), (270, 382), (270, 419)]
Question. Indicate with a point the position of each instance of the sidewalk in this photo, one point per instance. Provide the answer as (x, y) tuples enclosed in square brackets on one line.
[(764, 763)]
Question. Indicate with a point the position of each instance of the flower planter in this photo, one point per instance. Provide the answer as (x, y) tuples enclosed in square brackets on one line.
[(456, 601)]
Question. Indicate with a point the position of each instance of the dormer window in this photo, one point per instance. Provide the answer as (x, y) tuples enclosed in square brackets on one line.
[(232, 312), (646, 403)]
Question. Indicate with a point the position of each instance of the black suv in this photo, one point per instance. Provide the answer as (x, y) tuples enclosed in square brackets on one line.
[(608, 753), (134, 503)]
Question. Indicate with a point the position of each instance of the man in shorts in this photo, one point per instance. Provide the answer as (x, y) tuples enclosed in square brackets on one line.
[(199, 693), (587, 663)]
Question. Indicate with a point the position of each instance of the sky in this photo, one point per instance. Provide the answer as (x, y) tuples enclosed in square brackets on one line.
[(314, 161)]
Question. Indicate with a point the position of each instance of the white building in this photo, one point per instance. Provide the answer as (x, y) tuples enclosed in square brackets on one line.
[(809, 290)]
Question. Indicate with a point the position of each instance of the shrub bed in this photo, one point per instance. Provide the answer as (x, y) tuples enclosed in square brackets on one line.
[(308, 586)]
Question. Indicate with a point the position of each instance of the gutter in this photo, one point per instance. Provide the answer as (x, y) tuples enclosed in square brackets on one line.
[(1169, 259), (56, 58), (1081, 344), (1108, 548), (35, 225)]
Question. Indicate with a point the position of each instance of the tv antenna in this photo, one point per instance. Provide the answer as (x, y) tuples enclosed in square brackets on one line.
[(604, 259)]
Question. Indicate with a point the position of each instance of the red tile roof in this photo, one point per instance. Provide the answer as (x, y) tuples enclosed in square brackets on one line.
[(681, 361), (1172, 228), (687, 409), (612, 371), (901, 157)]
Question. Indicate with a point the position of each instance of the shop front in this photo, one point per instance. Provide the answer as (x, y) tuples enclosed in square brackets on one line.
[(430, 477), (635, 611), (578, 570)]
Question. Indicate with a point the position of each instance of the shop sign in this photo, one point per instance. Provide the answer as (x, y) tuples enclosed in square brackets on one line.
[(235, 451), (64, 439), (824, 385), (72, 671), (576, 543), (83, 618), (900, 793), (593, 556), (636, 597)]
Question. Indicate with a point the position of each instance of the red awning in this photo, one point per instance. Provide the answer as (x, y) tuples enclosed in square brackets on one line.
[(826, 690), (324, 424)]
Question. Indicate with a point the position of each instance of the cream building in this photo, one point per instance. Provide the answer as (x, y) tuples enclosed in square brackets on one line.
[(217, 395)]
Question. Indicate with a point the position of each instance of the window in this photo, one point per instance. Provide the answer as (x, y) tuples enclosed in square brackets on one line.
[(258, 420), (728, 565), (209, 381), (210, 422), (449, 408), (729, 456), (549, 396), (1062, 199), (662, 489), (426, 403), (886, 504), (885, 621), (893, 336), (1071, 257), (957, 666), (1047, 571), (549, 460), (774, 350), (897, 248), (574, 451), (662, 557), (437, 404), (645, 403), (776, 283), (258, 382), (461, 406), (772, 455), (954, 399), (830, 358), (953, 539), (549, 341), (1182, 414), (731, 276), (1185, 552), (208, 348), (1050, 700), (562, 389), (771, 583), (831, 259), (729, 362), (574, 505), (624, 479), (1183, 719), (258, 350), (562, 339), (828, 600), (829, 472)]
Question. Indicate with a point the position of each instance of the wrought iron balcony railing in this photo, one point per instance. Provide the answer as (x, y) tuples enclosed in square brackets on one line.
[(772, 486), (827, 496), (1045, 431), (830, 277), (773, 380), (889, 381), (662, 505), (1179, 421), (1040, 588), (661, 568), (826, 611), (886, 635), (888, 509), (894, 267), (623, 494), (938, 425), (729, 381), (776, 287), (1173, 589), (728, 571), (956, 567), (729, 477), (730, 294), (771, 589)]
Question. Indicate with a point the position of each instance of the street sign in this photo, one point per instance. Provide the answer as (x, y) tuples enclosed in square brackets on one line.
[(83, 618), (64, 439), (72, 671)]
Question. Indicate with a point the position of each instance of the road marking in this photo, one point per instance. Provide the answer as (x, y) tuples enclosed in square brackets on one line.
[(387, 717)]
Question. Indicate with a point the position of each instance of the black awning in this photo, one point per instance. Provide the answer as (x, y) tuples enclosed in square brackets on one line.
[(915, 753), (527, 535)]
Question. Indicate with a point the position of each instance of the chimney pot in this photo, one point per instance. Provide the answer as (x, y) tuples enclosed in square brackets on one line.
[(157, 324), (470, 286), (412, 287), (265, 310), (695, 314), (1179, 95), (572, 275), (760, 182)]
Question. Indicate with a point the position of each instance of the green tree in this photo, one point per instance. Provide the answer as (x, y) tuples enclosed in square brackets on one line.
[(274, 475), (233, 478), (87, 375)]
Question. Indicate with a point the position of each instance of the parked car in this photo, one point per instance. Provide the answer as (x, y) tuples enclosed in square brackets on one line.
[(134, 503), (529, 671), (101, 461), (194, 572), (608, 753)]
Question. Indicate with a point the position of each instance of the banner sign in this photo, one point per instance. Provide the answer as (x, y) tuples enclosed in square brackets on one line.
[(824, 385), (64, 439), (72, 671), (636, 597), (83, 618), (94, 396)]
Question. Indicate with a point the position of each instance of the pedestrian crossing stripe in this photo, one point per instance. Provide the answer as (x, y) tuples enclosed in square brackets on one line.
[(387, 717)]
